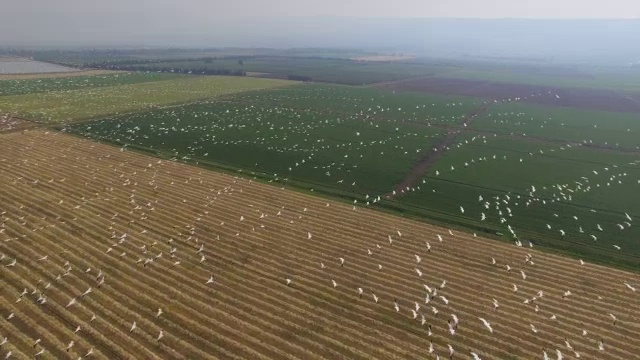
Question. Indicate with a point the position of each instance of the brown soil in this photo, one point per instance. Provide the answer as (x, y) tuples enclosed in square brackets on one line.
[(582, 98)]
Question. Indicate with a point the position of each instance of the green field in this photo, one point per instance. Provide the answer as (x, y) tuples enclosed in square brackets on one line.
[(565, 185), (30, 86), (291, 133), (358, 143), (321, 70), (74, 105), (563, 124)]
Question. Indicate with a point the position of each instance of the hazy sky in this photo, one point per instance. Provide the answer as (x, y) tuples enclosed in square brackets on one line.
[(55, 22), (17, 10)]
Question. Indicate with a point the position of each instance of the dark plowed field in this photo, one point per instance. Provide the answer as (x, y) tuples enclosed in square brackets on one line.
[(584, 98)]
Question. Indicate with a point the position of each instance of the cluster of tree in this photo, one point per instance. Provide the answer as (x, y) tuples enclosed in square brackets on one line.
[(299, 78), (166, 69)]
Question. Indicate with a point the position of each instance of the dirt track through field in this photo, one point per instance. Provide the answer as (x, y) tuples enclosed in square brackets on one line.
[(71, 200), (432, 155)]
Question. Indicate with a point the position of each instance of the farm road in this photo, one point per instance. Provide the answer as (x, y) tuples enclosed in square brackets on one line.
[(435, 152)]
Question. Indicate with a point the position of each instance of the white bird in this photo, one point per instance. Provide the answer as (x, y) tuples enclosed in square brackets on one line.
[(288, 281), (630, 287), (418, 258), (89, 353), (495, 304), (341, 261), (515, 288), (452, 329), (533, 328), (475, 356), (334, 283), (160, 335), (487, 324), (133, 326), (567, 344), (418, 272), (309, 236), (159, 312), (601, 345), (375, 298), (210, 281), (71, 302), (39, 353), (461, 210), (524, 276)]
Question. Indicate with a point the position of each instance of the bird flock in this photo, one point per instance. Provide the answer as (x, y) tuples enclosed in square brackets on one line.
[(112, 254)]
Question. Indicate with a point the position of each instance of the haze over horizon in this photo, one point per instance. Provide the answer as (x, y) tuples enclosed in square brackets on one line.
[(544, 28)]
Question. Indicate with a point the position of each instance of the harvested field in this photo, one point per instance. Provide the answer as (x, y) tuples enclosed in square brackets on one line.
[(76, 214), (583, 98), (56, 75)]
